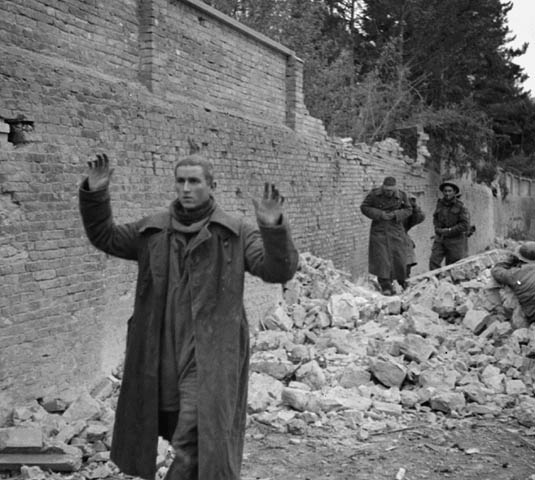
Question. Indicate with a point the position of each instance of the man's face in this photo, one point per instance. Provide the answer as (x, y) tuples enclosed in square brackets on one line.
[(448, 192), (389, 190), (191, 186)]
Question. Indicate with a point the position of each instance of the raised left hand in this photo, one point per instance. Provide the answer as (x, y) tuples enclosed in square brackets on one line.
[(269, 209)]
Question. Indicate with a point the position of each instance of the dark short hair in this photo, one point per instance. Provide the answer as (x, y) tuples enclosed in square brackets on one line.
[(197, 160)]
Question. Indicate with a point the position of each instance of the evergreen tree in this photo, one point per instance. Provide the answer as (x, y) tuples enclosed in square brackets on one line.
[(374, 66)]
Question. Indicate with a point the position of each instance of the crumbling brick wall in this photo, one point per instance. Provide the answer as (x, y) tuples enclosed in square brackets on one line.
[(149, 81)]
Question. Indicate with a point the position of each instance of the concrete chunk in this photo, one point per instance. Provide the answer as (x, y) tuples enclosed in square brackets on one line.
[(353, 376), (515, 387), (388, 371), (70, 431), (298, 315), (85, 407), (270, 340), (263, 391), (20, 439), (277, 319), (393, 409), (441, 378), (57, 462), (393, 305), (415, 347), (339, 398), (311, 374), (54, 405), (444, 300), (344, 310), (300, 400), (273, 363), (409, 398), (96, 431), (32, 473), (424, 321), (525, 412), (493, 378), (448, 401), (476, 320)]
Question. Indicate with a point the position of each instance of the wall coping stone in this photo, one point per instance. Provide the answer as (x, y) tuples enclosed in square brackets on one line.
[(208, 10)]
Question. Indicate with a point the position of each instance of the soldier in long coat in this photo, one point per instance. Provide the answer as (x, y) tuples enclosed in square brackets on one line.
[(388, 208), (452, 223), (187, 349)]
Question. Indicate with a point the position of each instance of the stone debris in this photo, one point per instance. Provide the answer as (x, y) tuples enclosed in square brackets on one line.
[(52, 436), (454, 344), (32, 473), (85, 407), (388, 371)]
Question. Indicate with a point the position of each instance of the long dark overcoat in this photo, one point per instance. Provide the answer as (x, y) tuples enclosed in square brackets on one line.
[(388, 248), (229, 247)]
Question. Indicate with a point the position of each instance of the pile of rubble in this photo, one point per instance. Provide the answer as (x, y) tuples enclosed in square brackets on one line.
[(334, 353), (453, 344), (53, 436)]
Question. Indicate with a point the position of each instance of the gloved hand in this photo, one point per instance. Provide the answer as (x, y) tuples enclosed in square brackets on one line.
[(388, 215)]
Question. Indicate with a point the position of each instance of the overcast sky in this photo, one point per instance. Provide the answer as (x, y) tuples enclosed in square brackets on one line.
[(522, 24)]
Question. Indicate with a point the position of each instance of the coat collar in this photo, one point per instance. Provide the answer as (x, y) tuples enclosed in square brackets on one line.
[(228, 221), (160, 221), (451, 203), (380, 191)]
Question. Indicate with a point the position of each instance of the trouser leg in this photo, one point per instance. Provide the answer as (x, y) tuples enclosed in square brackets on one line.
[(385, 284), (456, 251), (184, 440), (167, 424), (437, 255)]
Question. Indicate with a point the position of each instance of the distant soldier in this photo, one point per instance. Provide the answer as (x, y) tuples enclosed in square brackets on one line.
[(388, 209), (452, 224), (416, 217), (519, 274)]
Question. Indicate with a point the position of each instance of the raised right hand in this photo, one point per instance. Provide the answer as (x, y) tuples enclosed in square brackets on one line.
[(99, 172)]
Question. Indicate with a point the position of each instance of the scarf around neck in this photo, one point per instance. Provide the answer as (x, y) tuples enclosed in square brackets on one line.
[(188, 217)]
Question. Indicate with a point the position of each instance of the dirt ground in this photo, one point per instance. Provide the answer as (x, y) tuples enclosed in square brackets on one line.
[(455, 449), (460, 449)]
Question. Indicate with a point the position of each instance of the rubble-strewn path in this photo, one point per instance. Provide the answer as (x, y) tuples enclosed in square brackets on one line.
[(469, 449), (436, 382)]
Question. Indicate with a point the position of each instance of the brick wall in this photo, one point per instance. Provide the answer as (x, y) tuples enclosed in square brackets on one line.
[(106, 76), (213, 64), (94, 33)]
